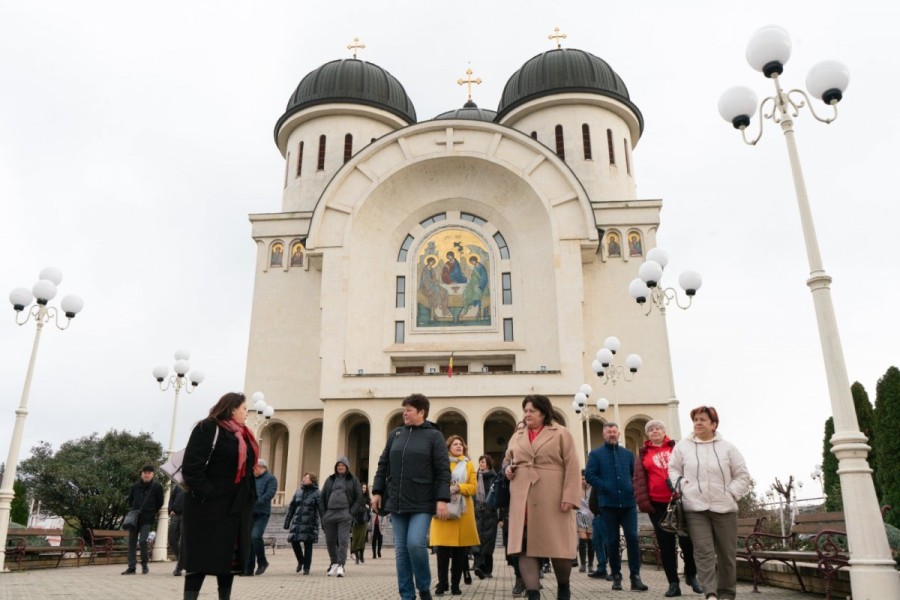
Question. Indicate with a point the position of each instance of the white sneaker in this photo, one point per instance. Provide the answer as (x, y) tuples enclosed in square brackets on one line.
[(333, 569), (340, 571)]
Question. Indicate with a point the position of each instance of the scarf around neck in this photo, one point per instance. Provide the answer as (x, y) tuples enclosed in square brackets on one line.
[(459, 474), (244, 436)]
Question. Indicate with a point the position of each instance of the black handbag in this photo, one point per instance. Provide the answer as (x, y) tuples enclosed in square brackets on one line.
[(498, 494), (131, 519), (673, 521)]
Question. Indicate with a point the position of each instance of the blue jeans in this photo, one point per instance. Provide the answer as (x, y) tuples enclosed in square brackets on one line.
[(598, 537), (627, 519), (411, 550), (257, 547)]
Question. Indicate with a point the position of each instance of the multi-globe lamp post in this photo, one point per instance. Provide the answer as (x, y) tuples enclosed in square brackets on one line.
[(42, 313), (647, 290), (583, 411), (613, 374), (182, 378), (264, 414), (872, 570)]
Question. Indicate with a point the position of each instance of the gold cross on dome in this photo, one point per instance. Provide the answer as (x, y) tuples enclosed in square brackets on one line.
[(469, 81), (556, 36), (355, 46)]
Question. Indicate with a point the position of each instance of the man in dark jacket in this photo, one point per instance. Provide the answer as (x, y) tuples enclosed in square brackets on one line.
[(413, 484), (609, 470), (146, 495), (176, 510), (341, 498), (266, 486)]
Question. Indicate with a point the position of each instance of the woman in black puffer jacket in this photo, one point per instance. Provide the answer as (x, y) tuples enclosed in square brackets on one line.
[(302, 521)]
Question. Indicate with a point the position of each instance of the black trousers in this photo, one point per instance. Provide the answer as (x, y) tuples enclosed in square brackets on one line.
[(454, 557), (377, 541), (303, 552), (486, 522)]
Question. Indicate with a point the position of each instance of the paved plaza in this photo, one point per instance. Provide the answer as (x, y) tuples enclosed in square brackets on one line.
[(374, 580)]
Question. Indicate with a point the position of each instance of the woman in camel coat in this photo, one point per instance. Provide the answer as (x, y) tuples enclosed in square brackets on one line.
[(545, 480)]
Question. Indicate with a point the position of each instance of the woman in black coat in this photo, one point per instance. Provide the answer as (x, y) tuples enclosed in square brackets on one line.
[(486, 519), (218, 509), (302, 521)]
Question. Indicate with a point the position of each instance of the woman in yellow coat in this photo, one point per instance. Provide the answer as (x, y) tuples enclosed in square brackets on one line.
[(452, 538)]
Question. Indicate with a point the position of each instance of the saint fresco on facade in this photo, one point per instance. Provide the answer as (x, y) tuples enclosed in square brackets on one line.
[(453, 268)]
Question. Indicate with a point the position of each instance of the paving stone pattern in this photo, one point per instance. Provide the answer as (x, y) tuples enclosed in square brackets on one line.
[(374, 580)]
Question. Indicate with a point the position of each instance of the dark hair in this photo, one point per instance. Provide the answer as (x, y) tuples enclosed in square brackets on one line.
[(453, 438), (487, 460), (610, 424), (148, 469), (542, 404), (226, 405), (710, 412), (418, 402)]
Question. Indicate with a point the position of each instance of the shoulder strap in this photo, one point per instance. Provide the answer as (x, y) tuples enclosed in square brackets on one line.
[(215, 439)]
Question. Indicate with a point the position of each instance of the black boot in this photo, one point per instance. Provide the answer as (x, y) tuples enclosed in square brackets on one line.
[(582, 554), (533, 595), (191, 595), (356, 557), (440, 589), (674, 590), (637, 585), (617, 582), (225, 594), (519, 587), (695, 585), (563, 592), (362, 556)]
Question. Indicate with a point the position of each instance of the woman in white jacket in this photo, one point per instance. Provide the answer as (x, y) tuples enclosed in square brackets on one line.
[(713, 477)]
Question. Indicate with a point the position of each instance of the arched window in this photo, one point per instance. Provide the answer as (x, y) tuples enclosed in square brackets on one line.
[(586, 139), (300, 159), (348, 147), (320, 166), (609, 143), (560, 148)]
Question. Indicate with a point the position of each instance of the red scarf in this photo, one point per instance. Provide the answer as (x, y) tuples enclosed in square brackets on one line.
[(533, 433), (244, 436)]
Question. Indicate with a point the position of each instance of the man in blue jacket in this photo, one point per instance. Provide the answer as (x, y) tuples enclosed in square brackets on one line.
[(609, 471), (266, 486)]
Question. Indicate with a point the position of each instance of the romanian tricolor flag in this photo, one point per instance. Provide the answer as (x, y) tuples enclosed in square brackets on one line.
[(450, 366)]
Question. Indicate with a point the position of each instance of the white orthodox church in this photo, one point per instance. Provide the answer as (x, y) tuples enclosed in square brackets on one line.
[(504, 241)]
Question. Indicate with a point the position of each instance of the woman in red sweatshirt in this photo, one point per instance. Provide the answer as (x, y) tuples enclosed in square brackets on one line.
[(652, 491)]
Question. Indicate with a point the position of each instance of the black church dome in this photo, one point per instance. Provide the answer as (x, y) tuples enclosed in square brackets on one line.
[(564, 70), (469, 112), (351, 81)]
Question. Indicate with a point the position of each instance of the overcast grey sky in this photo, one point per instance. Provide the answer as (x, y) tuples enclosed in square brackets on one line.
[(135, 139)]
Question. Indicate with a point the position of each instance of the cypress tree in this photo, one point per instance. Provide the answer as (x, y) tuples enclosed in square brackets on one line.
[(865, 415), (887, 424), (830, 479)]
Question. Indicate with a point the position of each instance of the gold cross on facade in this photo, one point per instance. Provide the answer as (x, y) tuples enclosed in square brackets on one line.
[(355, 46), (469, 81), (556, 36)]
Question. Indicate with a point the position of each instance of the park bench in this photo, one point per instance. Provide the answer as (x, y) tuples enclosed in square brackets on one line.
[(104, 541), (819, 539), (17, 545), (647, 542), (746, 527)]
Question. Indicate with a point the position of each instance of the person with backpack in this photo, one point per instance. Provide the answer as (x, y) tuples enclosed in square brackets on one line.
[(341, 498)]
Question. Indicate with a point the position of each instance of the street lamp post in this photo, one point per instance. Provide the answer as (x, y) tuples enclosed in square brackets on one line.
[(818, 475), (43, 291), (180, 379), (264, 414), (872, 570), (612, 374), (770, 496), (582, 410)]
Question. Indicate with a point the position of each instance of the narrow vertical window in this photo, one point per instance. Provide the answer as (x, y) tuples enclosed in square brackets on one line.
[(507, 330), (320, 166), (506, 281), (534, 135), (627, 156), (348, 147), (400, 300), (287, 164), (300, 159), (560, 149), (501, 245), (586, 138), (609, 143), (399, 332)]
